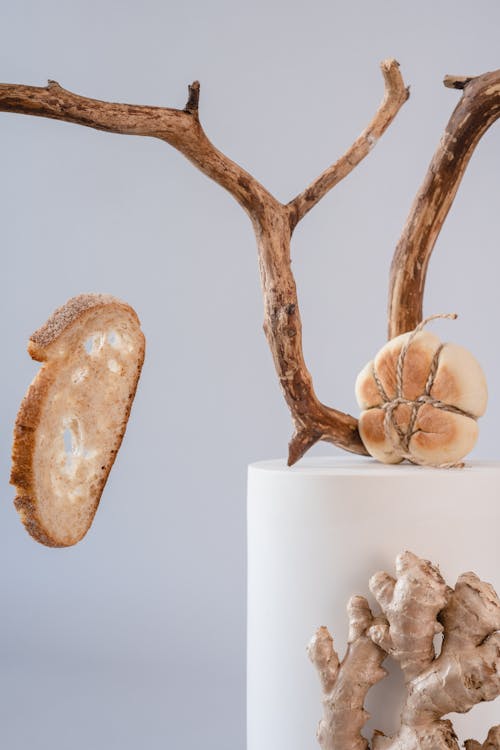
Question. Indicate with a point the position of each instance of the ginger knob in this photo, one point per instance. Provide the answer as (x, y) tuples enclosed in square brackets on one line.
[(420, 400)]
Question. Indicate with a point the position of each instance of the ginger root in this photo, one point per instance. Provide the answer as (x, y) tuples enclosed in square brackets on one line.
[(343, 697), (492, 741), (415, 605)]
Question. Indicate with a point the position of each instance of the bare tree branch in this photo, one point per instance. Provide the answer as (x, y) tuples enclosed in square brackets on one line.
[(179, 128), (273, 223), (478, 108), (394, 97)]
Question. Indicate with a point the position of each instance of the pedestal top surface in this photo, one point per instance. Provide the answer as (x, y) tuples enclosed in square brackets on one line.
[(359, 465)]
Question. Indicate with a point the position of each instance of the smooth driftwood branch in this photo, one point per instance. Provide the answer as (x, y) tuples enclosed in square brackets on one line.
[(273, 223), (478, 108)]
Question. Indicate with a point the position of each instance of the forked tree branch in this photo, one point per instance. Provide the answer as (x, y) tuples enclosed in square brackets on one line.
[(478, 108), (273, 223)]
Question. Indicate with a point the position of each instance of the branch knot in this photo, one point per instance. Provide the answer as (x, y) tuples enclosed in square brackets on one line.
[(193, 98)]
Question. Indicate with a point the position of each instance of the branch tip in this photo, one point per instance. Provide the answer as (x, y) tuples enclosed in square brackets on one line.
[(389, 65), (193, 97), (393, 79), (300, 444), (395, 95), (456, 82)]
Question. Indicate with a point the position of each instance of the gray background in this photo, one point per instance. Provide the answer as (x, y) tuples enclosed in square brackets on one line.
[(136, 637)]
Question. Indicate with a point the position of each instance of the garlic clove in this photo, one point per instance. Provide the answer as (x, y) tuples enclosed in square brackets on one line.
[(378, 444), (460, 380), (442, 437), (365, 389), (417, 364)]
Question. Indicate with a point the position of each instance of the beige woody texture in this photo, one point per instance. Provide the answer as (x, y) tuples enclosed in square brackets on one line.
[(274, 222), (416, 605)]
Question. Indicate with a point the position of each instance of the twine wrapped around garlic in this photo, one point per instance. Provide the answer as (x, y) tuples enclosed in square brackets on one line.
[(421, 399)]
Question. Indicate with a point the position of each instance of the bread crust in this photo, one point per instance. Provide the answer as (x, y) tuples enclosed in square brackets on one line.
[(43, 346), (441, 433), (66, 316)]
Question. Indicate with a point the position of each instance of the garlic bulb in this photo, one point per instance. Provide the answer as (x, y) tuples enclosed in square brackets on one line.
[(420, 400)]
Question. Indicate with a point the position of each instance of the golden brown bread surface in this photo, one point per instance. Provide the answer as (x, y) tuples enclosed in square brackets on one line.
[(72, 420), (440, 431)]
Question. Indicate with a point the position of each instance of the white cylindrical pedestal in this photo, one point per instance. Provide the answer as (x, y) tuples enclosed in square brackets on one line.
[(316, 533)]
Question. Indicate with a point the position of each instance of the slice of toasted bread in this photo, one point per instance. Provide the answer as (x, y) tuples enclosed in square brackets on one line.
[(72, 420)]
